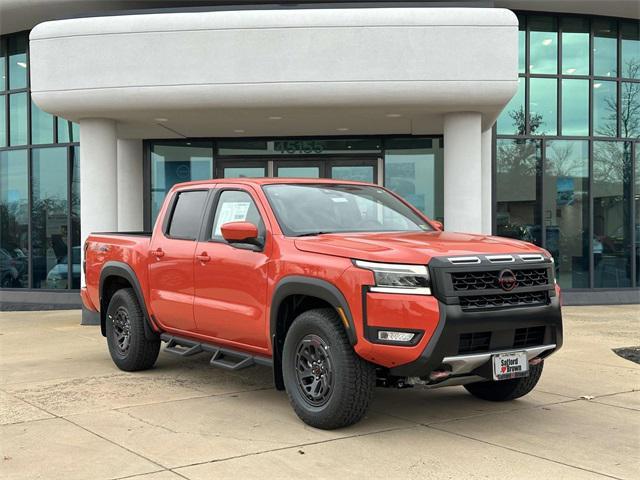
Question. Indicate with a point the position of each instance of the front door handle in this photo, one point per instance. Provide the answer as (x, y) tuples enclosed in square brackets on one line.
[(157, 253), (203, 257)]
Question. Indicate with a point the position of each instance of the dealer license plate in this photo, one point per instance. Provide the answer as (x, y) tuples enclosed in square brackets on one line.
[(510, 365)]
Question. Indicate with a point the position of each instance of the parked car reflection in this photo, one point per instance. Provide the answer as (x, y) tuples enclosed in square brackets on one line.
[(57, 277)]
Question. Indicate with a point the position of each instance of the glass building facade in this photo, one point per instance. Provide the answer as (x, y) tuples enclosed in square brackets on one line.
[(566, 161), (39, 184), (566, 151)]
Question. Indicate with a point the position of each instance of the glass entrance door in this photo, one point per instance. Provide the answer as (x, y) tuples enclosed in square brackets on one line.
[(357, 169)]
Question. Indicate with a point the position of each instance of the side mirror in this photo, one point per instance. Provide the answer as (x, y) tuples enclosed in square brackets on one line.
[(438, 225), (240, 232)]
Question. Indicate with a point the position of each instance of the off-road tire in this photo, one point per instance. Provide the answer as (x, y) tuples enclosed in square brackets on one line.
[(140, 352), (353, 379), (504, 390)]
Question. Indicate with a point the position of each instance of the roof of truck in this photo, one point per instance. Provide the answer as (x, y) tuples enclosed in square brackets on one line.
[(269, 181)]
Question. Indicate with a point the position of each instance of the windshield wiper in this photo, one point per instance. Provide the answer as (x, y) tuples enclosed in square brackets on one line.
[(313, 234)]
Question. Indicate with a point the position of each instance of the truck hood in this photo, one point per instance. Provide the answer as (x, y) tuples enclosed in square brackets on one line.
[(410, 247)]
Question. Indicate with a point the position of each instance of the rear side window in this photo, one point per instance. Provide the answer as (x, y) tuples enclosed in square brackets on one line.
[(187, 215)]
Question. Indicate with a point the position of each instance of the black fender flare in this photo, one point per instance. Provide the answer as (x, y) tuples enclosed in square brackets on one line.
[(313, 287), (120, 269)]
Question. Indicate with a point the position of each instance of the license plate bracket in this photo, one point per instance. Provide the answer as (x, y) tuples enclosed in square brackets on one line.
[(510, 365)]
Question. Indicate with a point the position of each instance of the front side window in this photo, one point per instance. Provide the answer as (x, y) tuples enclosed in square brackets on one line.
[(187, 215), (236, 206), (325, 208)]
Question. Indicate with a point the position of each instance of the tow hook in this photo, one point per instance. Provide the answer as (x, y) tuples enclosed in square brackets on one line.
[(535, 361)]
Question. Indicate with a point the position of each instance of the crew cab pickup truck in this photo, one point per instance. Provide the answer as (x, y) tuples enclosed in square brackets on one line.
[(339, 286)]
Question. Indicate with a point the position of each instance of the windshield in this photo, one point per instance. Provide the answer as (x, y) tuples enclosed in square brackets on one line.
[(312, 209)]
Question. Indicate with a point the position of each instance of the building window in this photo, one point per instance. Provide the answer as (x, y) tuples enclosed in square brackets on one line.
[(575, 112), (39, 214)]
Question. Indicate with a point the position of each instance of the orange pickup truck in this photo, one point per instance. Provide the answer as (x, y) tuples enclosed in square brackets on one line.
[(339, 286)]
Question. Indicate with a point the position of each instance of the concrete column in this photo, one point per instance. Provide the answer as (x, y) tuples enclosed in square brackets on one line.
[(130, 210), (487, 207), (98, 177), (463, 172)]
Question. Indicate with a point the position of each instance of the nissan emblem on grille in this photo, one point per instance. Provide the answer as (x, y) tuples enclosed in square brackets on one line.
[(507, 280)]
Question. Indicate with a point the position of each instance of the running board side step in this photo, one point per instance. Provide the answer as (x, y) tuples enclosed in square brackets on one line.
[(222, 357)]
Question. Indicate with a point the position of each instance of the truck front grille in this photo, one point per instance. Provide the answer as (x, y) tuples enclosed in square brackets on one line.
[(488, 280), (479, 302)]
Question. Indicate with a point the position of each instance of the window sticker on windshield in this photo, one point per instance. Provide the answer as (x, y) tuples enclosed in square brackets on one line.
[(231, 212), (339, 199)]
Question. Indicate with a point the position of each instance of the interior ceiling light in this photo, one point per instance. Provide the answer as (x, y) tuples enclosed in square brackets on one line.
[(547, 41), (571, 70), (342, 129), (238, 130), (22, 64), (160, 120), (394, 115), (597, 85), (275, 117)]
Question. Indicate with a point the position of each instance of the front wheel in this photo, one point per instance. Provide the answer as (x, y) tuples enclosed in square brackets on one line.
[(328, 385), (504, 390), (129, 347)]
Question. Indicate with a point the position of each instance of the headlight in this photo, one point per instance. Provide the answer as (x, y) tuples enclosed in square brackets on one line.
[(397, 278)]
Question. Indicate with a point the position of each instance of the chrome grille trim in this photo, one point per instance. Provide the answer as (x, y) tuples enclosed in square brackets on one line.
[(531, 257), (501, 258), (464, 260)]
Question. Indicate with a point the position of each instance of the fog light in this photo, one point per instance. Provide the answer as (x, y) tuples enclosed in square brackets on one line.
[(391, 336)]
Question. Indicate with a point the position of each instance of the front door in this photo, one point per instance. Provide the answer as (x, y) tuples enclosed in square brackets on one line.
[(231, 280)]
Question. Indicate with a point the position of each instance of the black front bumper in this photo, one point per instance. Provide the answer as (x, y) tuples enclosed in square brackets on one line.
[(502, 325)]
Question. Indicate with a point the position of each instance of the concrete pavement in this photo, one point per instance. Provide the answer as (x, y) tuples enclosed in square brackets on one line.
[(66, 412)]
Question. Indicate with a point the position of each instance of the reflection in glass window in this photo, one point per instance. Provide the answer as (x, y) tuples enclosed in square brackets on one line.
[(518, 183), (612, 214), (64, 131), (3, 61), (605, 47), (18, 119), (75, 216), (543, 106), (3, 120), (566, 210), (49, 213), (41, 126), (630, 110), (14, 219), (244, 172), (522, 44), (575, 107), (298, 172), (605, 110), (176, 162), (413, 168), (543, 45), (630, 32), (17, 49), (511, 120), (575, 46)]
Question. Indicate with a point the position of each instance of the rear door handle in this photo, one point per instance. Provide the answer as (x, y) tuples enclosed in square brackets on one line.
[(203, 257), (157, 253)]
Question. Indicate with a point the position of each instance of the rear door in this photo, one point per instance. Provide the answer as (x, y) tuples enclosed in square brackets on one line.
[(171, 260), (231, 280)]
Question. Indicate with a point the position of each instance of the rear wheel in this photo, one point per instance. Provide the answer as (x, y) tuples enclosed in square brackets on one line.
[(328, 385), (503, 390), (128, 345)]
